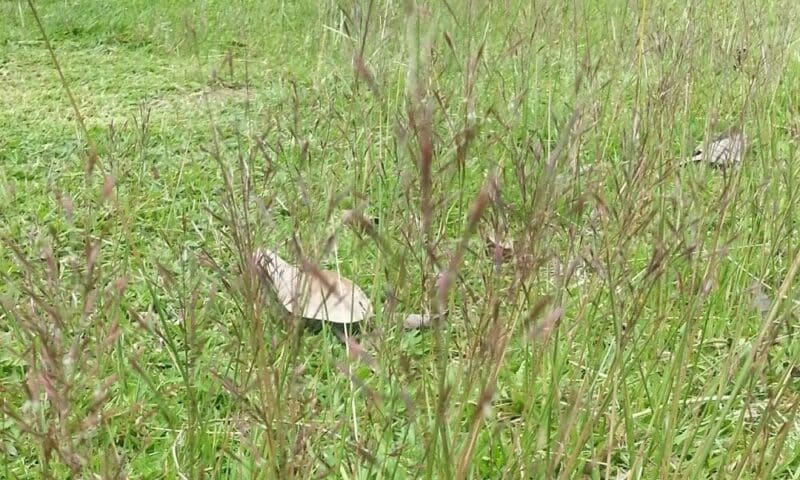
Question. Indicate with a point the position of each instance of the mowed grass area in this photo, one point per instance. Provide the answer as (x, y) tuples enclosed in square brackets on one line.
[(639, 320)]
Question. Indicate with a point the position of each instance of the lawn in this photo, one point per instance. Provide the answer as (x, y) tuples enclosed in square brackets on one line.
[(601, 311)]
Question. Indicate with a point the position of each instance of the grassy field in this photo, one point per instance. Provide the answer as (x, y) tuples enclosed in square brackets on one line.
[(630, 319)]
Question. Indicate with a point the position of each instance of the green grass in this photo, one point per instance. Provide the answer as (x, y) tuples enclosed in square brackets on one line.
[(645, 324)]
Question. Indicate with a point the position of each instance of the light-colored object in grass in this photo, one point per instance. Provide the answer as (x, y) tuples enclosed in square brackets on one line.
[(326, 296), (356, 220), (724, 151), (416, 321), (501, 249), (759, 299)]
